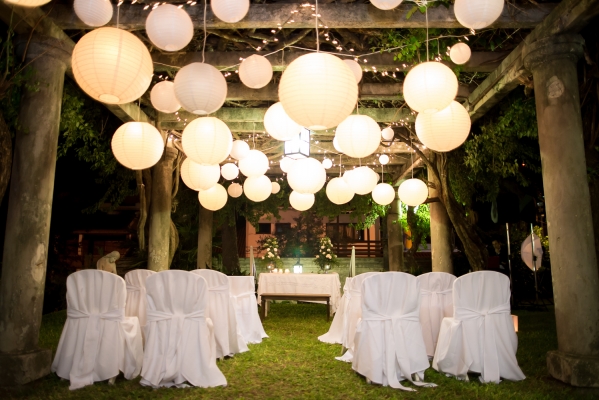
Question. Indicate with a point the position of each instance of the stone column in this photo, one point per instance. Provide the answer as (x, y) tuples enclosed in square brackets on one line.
[(205, 238), (441, 248), (395, 236), (29, 211), (160, 211), (570, 224)]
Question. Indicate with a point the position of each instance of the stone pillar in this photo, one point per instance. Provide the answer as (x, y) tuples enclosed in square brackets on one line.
[(441, 248), (570, 224), (29, 211), (395, 236), (205, 238), (160, 211)]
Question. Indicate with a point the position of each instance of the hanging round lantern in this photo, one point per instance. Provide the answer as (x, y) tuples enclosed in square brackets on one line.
[(355, 69), (358, 135), (301, 201), (199, 177), (276, 188), (278, 124), (388, 134), (169, 27), (229, 171), (361, 180), (384, 159), (413, 192), (213, 199), (254, 164), (286, 163), (386, 4), (163, 97), (336, 144), (207, 140), (255, 71), (430, 87), (307, 175), (28, 3), (460, 53), (230, 11), (383, 194), (338, 191), (477, 14), (137, 145), (124, 61), (257, 188), (327, 163), (239, 149), (318, 91), (444, 130), (200, 88), (93, 12), (235, 190)]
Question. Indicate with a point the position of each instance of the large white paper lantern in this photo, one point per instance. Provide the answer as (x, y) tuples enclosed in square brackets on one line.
[(318, 91), (163, 97), (355, 69), (207, 140), (112, 65), (137, 145), (336, 145), (254, 164), (229, 171), (477, 14), (339, 191), (213, 199), (460, 53), (239, 149), (278, 124), (307, 175), (93, 12), (383, 194), (255, 71), (257, 188), (199, 177), (361, 180), (235, 190), (200, 88), (169, 27), (413, 192), (28, 3), (230, 11), (286, 164), (430, 87), (384, 159), (358, 135), (301, 201), (444, 130), (386, 4), (388, 133), (327, 163), (276, 188)]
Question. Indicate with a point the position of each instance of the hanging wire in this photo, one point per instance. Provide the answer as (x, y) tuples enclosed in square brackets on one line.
[(118, 14), (340, 165), (316, 26), (412, 158), (205, 35), (426, 15)]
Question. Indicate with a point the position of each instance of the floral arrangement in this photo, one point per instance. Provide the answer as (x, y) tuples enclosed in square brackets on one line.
[(271, 252), (325, 256)]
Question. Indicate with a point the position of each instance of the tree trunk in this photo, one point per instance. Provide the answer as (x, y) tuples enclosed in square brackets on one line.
[(415, 237), (173, 243), (385, 243), (229, 247), (5, 156)]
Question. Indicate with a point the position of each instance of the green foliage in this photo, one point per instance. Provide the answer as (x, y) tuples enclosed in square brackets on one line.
[(361, 209), (422, 227), (303, 240), (325, 255), (185, 217)]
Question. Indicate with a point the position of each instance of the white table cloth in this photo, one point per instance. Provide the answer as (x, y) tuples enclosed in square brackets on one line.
[(335, 333), (243, 297)]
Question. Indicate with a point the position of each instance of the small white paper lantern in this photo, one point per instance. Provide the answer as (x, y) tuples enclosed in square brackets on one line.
[(235, 190), (200, 88), (28, 3), (124, 62), (257, 188), (229, 171), (137, 145), (255, 71), (276, 188), (413, 192), (384, 159), (388, 133), (169, 27), (318, 91), (199, 177), (163, 97), (460, 53), (254, 164), (230, 11), (361, 180), (93, 12), (336, 145), (444, 130), (213, 199), (477, 14), (327, 163), (239, 149), (307, 175), (286, 164), (278, 124), (386, 4), (301, 201), (430, 87), (383, 194), (358, 135), (355, 69), (339, 192), (207, 140)]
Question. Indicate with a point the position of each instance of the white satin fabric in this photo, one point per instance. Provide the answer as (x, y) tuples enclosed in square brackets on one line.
[(388, 344), (136, 294), (436, 290), (335, 333), (480, 337), (243, 297), (179, 340), (97, 340)]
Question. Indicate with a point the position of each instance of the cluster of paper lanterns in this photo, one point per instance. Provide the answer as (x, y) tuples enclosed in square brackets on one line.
[(199, 177), (255, 71), (477, 14), (278, 124), (413, 192), (169, 27), (230, 11), (137, 145), (213, 199), (93, 12), (358, 136)]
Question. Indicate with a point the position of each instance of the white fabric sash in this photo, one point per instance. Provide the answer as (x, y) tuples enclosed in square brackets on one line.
[(220, 288)]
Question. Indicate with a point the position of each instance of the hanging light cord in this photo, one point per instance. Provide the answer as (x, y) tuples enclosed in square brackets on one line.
[(412, 158), (426, 16), (340, 165), (316, 26), (204, 45)]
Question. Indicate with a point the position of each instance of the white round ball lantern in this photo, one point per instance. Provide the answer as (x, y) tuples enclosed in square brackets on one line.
[(213, 199), (318, 91), (339, 191), (386, 4), (327, 163), (358, 135), (229, 171), (336, 145), (239, 149), (355, 69), (430, 87), (301, 201), (93, 12), (383, 194), (444, 130), (286, 163), (235, 190), (169, 27), (257, 188), (255, 71), (413, 192), (361, 180), (207, 140), (124, 61), (137, 145), (230, 11), (307, 175), (200, 88), (460, 53), (28, 3), (388, 134), (199, 177), (254, 164), (276, 188), (384, 159), (163, 97), (477, 14), (278, 124)]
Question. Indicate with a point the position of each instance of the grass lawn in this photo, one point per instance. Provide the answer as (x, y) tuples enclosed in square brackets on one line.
[(293, 364)]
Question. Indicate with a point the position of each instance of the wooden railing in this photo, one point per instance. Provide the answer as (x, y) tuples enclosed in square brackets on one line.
[(367, 248)]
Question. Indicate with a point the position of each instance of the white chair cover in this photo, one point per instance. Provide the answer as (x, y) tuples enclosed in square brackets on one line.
[(97, 340), (220, 310), (179, 340), (388, 343), (436, 304), (243, 296), (335, 333), (480, 337), (136, 294)]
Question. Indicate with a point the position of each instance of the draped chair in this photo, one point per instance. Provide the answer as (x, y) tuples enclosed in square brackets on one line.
[(335, 333), (243, 297), (135, 306)]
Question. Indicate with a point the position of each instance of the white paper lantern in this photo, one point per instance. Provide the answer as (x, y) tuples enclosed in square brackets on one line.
[(327, 163), (254, 164), (361, 180), (199, 177), (257, 188), (477, 14), (213, 199), (112, 65), (200, 88), (430, 87), (278, 124), (384, 159), (230, 11), (358, 135), (93, 12), (235, 190), (239, 149), (355, 69), (229, 171), (383, 194), (301, 201), (276, 188), (318, 91), (137, 145), (339, 191), (444, 130), (386, 4), (163, 97), (388, 133), (286, 164), (336, 145), (28, 3), (207, 140), (460, 53), (413, 192), (169, 27), (307, 175), (255, 71)]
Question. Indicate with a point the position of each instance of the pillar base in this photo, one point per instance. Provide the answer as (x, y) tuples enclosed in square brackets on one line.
[(573, 369), (22, 368)]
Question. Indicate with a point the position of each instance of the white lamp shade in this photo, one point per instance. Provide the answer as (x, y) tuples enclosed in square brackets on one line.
[(358, 135), (254, 164), (387, 133), (384, 159), (235, 190), (93, 12), (112, 65), (137, 145), (339, 192), (444, 130), (355, 69), (327, 163), (477, 14), (460, 53), (239, 149), (229, 171), (199, 177), (213, 199), (386, 4), (169, 27), (27, 3), (255, 71), (318, 91), (207, 140), (336, 145), (307, 175), (278, 124), (430, 87), (361, 180), (286, 164), (413, 192), (257, 188), (301, 201), (276, 188), (163, 97), (383, 194), (230, 11), (200, 88)]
